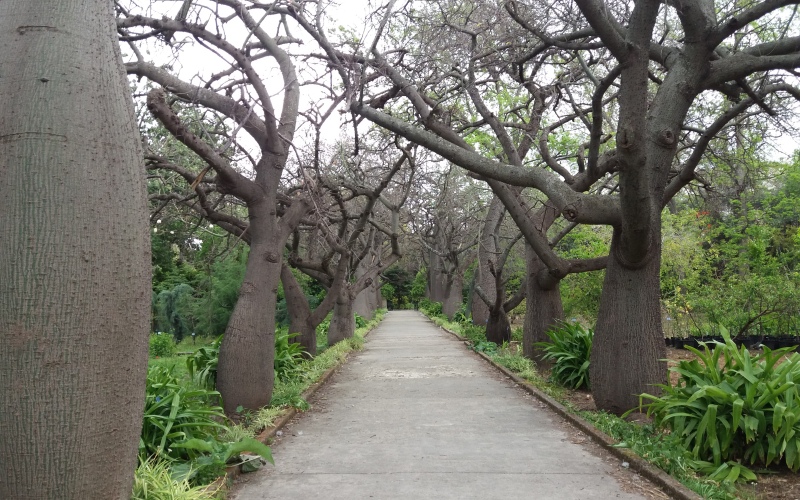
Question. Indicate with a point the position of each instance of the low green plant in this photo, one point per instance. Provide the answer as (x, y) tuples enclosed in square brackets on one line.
[(154, 480), (730, 406), (213, 456), (430, 308), (361, 322), (173, 413), (569, 348), (289, 355), (202, 365), (484, 346), (162, 345)]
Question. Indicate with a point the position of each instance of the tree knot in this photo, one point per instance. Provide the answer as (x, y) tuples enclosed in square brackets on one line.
[(666, 138)]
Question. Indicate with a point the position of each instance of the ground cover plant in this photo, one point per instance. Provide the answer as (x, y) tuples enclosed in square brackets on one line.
[(569, 349), (731, 407)]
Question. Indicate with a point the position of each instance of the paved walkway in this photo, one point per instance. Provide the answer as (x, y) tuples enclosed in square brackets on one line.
[(416, 416)]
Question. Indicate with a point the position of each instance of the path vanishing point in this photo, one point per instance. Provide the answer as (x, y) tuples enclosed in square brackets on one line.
[(416, 415)]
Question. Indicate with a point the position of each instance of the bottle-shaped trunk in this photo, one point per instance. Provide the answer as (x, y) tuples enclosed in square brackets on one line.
[(343, 321), (543, 309), (74, 255), (498, 328), (628, 339), (245, 375), (299, 313)]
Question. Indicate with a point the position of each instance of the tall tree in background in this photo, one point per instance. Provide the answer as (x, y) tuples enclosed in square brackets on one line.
[(74, 255)]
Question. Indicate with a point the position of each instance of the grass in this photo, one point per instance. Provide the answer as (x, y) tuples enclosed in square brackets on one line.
[(659, 449)]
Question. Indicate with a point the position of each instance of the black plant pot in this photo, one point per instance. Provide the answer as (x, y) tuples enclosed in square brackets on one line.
[(770, 342), (749, 341), (691, 342)]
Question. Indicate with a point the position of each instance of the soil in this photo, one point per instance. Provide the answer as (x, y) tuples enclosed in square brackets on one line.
[(777, 483)]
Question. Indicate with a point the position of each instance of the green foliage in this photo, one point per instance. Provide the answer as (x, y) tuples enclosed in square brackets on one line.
[(580, 292), (173, 413), (484, 346), (174, 308), (162, 345), (430, 308), (288, 355), (154, 480), (569, 348), (729, 405), (418, 287), (214, 455), (360, 321), (202, 365), (215, 306)]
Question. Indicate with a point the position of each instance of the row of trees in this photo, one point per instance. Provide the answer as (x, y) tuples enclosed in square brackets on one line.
[(567, 117)]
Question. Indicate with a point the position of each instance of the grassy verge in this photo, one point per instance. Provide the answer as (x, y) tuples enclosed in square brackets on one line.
[(659, 449)]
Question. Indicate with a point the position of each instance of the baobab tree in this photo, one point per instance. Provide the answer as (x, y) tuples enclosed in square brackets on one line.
[(75, 253)]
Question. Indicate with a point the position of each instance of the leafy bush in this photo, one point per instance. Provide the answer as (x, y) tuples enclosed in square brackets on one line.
[(173, 413), (730, 405), (569, 349), (288, 355), (360, 321), (430, 308), (215, 455), (484, 346), (162, 345), (203, 364)]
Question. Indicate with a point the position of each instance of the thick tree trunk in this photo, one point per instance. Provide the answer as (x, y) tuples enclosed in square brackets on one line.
[(487, 251), (299, 312), (369, 299), (74, 255), (343, 321), (245, 374), (543, 308), (453, 295), (498, 328), (628, 340), (437, 280)]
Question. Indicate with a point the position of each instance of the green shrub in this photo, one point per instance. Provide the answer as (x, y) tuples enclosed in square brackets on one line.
[(173, 413), (360, 321), (430, 308), (484, 346), (162, 345), (729, 405), (569, 348), (288, 355), (203, 364)]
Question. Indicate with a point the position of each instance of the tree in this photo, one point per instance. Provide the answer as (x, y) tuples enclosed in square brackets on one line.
[(353, 240), (647, 86), (74, 247), (239, 100)]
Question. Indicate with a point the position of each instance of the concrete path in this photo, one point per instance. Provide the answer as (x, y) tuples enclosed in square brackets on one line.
[(417, 416)]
